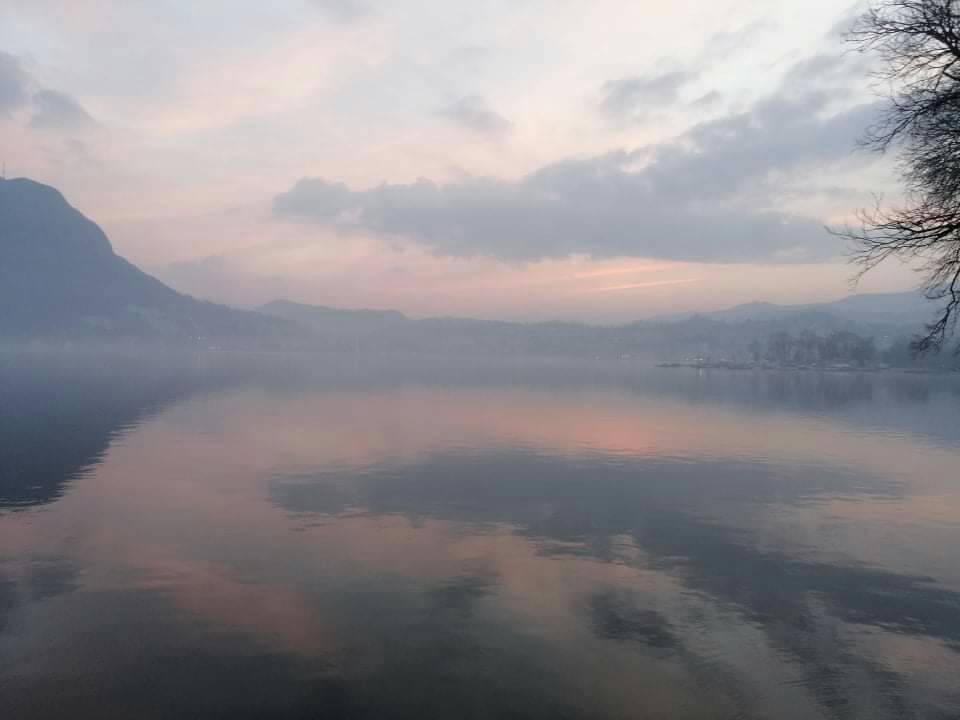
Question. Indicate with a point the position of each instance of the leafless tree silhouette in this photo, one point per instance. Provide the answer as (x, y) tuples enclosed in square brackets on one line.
[(918, 45)]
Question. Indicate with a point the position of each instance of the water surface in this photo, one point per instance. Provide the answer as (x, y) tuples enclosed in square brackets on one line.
[(221, 536)]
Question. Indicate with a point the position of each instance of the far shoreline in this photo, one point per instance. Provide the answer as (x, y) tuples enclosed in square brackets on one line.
[(768, 367)]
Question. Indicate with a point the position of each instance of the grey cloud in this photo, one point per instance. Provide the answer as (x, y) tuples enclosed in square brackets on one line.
[(637, 97), (711, 195), (628, 95), (315, 199), (828, 71), (14, 84), (342, 10), (474, 114), (602, 211), (753, 151), (52, 109), (707, 100), (722, 44), (847, 21)]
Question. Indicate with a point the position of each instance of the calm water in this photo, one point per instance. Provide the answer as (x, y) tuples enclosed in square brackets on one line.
[(248, 537)]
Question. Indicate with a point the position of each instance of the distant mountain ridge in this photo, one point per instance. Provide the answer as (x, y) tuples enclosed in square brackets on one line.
[(888, 308), (870, 312), (319, 314), (734, 333), (60, 278), (905, 310)]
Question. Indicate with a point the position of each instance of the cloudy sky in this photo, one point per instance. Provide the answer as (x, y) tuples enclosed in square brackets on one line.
[(601, 160)]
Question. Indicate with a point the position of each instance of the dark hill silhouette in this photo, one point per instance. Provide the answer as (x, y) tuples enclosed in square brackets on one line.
[(60, 278)]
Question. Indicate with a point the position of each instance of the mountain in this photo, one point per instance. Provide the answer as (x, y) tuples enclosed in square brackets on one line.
[(862, 329), (328, 319), (60, 278), (883, 309)]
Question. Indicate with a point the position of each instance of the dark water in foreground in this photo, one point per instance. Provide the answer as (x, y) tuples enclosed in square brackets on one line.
[(242, 538)]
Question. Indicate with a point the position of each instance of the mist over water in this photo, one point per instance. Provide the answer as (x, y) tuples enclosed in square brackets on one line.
[(224, 535)]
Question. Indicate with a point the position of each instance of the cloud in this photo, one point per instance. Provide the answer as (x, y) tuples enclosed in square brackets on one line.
[(473, 113), (596, 208), (640, 93), (707, 100), (14, 84), (828, 70), (342, 10), (638, 96), (721, 45), (713, 194), (52, 109)]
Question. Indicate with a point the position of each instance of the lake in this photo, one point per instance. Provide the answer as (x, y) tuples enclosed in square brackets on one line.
[(227, 536)]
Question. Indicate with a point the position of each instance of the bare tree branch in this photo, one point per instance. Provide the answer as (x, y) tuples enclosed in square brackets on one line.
[(918, 43)]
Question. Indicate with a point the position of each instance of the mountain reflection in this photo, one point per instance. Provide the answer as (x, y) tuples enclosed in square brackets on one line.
[(58, 414), (386, 542)]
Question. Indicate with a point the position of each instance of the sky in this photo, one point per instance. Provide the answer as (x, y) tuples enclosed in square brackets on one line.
[(594, 160)]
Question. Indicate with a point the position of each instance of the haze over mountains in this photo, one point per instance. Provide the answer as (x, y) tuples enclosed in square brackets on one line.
[(60, 279)]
